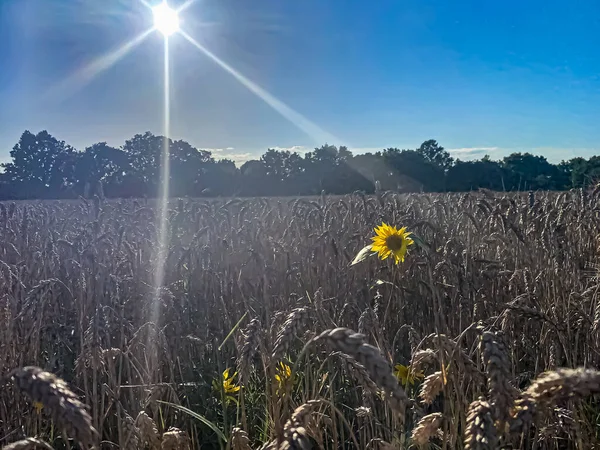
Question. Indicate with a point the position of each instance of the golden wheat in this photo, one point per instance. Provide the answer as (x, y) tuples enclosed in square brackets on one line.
[(503, 287)]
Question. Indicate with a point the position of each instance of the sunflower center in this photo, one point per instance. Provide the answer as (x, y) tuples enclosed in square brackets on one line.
[(394, 242)]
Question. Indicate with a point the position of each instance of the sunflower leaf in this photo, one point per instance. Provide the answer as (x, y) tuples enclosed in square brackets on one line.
[(197, 416), (362, 255), (420, 242), (381, 283)]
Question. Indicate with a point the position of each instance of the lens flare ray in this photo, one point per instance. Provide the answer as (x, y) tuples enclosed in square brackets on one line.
[(297, 119), (163, 199), (185, 6), (84, 75)]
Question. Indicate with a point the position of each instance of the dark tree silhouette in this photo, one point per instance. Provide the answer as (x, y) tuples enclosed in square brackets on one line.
[(468, 175), (435, 154), (529, 171), (45, 167), (413, 171), (100, 169), (41, 167)]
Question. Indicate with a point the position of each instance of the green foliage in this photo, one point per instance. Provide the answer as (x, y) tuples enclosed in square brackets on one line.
[(41, 165), (45, 167)]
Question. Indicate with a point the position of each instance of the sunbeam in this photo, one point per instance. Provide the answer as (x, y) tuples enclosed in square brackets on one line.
[(84, 75), (163, 199), (185, 6), (304, 124)]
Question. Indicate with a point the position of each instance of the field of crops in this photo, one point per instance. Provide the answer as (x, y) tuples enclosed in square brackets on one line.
[(264, 336)]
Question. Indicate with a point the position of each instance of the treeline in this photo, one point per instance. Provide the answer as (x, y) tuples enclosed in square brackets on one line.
[(44, 167)]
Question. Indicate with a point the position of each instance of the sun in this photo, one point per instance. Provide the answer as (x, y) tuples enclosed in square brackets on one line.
[(166, 19)]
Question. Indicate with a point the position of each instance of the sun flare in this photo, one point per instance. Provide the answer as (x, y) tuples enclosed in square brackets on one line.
[(166, 19)]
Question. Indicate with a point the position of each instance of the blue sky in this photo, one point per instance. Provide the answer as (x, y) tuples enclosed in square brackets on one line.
[(480, 77)]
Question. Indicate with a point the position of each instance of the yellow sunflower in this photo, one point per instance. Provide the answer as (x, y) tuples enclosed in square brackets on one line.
[(406, 375), (226, 383), (391, 241), (283, 373)]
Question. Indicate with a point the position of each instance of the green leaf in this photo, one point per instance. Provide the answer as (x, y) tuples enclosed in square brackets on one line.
[(236, 326), (195, 415), (420, 242), (362, 255)]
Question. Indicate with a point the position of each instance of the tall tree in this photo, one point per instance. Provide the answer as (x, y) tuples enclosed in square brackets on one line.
[(221, 178), (435, 154), (413, 171), (254, 174), (188, 168), (282, 165), (144, 152), (41, 164), (470, 175), (533, 172), (332, 169), (187, 165), (101, 165)]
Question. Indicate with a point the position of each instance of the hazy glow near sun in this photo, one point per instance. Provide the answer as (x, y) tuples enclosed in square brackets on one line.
[(166, 19)]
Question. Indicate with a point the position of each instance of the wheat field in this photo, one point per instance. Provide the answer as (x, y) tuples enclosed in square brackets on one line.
[(263, 335)]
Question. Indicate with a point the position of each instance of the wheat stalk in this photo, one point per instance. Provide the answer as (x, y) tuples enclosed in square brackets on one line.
[(498, 373), (239, 439), (58, 400), (480, 433), (148, 431), (378, 368), (288, 331), (426, 428), (432, 385), (28, 444), (175, 439), (249, 347)]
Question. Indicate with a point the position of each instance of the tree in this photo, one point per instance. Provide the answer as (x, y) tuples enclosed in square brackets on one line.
[(221, 177), (470, 175), (188, 168), (284, 171), (144, 152), (254, 174), (328, 155), (332, 169), (533, 172), (101, 165), (373, 168), (581, 172), (282, 165), (435, 154), (188, 165), (42, 166), (413, 171)]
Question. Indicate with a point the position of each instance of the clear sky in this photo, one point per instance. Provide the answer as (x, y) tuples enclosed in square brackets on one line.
[(478, 76)]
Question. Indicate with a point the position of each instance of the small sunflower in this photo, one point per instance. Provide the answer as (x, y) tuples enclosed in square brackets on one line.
[(284, 378), (283, 373), (226, 385), (406, 375), (391, 241)]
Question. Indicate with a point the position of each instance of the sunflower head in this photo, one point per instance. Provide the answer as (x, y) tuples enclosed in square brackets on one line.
[(390, 241), (283, 373), (406, 375), (226, 384)]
